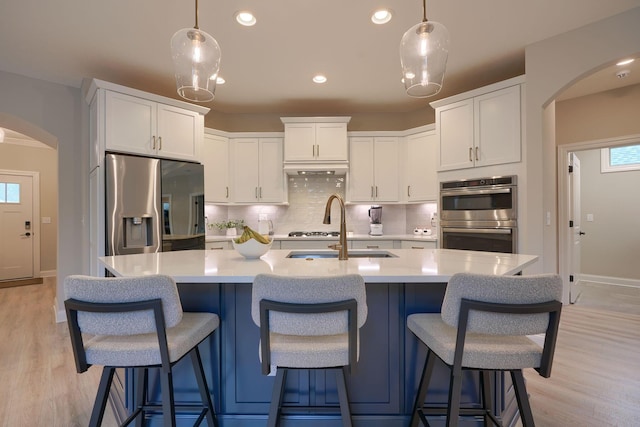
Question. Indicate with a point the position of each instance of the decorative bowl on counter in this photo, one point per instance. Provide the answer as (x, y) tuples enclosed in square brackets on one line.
[(252, 249)]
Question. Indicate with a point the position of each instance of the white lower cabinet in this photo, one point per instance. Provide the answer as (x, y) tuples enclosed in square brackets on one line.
[(306, 244), (258, 176), (218, 245), (412, 244), (372, 244)]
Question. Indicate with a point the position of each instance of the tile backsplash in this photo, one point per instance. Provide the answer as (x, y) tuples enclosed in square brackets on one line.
[(308, 196)]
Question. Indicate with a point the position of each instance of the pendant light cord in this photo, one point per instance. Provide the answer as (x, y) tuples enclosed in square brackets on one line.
[(196, 26), (424, 10)]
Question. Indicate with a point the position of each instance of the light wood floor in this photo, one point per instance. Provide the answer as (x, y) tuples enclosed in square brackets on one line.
[(39, 385), (595, 380)]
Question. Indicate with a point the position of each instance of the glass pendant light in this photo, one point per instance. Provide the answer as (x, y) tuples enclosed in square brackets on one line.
[(423, 55), (196, 60)]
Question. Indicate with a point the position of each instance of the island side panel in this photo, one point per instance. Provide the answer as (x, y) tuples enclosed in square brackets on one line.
[(375, 382)]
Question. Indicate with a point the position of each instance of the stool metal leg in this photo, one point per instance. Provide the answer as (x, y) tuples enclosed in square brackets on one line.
[(141, 394), (522, 398), (343, 397), (168, 404), (423, 387), (196, 361), (276, 398), (101, 397), (455, 389), (487, 398)]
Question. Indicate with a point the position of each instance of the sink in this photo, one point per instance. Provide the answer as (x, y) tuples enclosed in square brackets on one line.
[(313, 254)]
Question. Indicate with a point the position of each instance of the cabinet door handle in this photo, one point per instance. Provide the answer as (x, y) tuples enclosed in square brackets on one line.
[(260, 192), (159, 143), (153, 145), (256, 192), (216, 248), (373, 247), (477, 154), (227, 189), (318, 150), (372, 191), (408, 191), (470, 154), (314, 150), (417, 247), (376, 191)]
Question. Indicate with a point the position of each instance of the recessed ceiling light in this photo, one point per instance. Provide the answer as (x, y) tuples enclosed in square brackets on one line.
[(626, 61), (245, 18), (381, 16), (319, 79)]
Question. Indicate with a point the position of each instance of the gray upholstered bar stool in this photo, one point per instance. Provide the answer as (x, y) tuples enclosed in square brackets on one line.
[(308, 323), (137, 322), (484, 324)]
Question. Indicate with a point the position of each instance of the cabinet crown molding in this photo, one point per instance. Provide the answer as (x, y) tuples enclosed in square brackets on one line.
[(337, 119)]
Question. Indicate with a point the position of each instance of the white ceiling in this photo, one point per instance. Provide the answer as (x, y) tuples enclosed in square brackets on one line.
[(268, 67)]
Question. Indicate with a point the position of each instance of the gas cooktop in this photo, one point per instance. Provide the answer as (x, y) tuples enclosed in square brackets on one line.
[(314, 234)]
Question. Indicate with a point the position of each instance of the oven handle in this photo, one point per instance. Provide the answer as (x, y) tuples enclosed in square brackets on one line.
[(475, 191), (478, 230)]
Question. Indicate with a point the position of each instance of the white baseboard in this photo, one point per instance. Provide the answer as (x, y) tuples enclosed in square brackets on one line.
[(48, 273), (60, 315), (620, 281)]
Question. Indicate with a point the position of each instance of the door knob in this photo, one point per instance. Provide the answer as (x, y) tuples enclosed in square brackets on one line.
[(26, 234)]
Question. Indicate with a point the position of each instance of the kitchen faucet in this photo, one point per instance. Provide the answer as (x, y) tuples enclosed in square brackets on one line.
[(342, 246)]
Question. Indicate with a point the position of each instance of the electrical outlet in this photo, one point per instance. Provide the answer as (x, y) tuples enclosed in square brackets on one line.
[(590, 217)]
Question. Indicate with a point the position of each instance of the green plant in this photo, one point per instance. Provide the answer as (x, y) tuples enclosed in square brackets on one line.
[(230, 223)]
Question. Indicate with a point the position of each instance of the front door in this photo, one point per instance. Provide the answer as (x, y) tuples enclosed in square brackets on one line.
[(16, 227)]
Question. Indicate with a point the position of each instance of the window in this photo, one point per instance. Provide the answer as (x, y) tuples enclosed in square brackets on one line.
[(9, 192), (618, 159)]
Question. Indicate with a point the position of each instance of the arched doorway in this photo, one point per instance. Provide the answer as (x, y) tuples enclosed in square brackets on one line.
[(29, 223)]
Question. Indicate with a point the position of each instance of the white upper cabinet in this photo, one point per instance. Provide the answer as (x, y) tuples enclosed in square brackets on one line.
[(257, 170), (215, 158), (141, 126), (482, 130), (315, 139), (421, 167), (373, 170)]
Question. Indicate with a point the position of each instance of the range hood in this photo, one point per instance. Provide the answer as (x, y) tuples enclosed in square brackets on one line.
[(316, 168)]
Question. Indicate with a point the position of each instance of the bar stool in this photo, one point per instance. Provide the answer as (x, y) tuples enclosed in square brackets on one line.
[(137, 322), (484, 324), (308, 323)]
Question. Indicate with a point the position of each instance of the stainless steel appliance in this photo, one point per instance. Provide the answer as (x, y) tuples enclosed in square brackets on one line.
[(153, 205), (479, 214)]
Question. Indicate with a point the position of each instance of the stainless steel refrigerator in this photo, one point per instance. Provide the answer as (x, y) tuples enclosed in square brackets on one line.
[(153, 205)]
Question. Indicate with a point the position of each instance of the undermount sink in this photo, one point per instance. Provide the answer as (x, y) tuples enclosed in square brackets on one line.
[(313, 254)]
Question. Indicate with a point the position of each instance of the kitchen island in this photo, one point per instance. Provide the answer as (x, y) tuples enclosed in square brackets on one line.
[(382, 387)]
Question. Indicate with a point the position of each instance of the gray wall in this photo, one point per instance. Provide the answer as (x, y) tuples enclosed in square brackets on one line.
[(611, 244), (59, 111), (551, 66), (45, 162)]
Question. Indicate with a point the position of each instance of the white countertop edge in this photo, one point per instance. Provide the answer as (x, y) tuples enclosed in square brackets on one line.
[(412, 237), (425, 266)]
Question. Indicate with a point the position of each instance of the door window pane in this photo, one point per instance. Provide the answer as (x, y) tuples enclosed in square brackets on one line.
[(9, 192), (13, 193)]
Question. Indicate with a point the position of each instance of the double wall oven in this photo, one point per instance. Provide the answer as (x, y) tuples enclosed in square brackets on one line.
[(479, 214)]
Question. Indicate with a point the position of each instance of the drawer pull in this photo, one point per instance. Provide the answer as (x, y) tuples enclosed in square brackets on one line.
[(417, 247), (373, 247)]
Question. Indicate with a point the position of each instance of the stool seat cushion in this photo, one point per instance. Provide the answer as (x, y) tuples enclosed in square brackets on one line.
[(143, 349), (295, 351), (481, 351)]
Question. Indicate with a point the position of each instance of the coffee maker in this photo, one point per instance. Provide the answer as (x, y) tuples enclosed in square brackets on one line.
[(375, 217)]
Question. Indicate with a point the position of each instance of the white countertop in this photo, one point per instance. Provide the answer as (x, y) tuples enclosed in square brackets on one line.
[(411, 266), (433, 238)]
